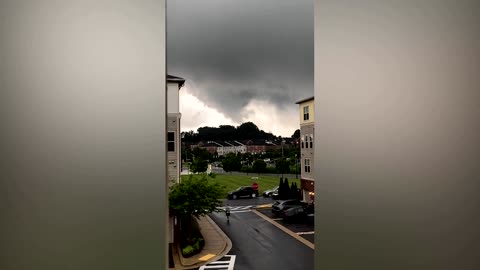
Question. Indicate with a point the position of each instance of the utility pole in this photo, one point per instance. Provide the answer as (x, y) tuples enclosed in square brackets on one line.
[(296, 166)]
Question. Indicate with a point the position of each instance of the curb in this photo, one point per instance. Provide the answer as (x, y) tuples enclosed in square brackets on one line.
[(269, 205), (227, 247), (228, 244), (286, 230)]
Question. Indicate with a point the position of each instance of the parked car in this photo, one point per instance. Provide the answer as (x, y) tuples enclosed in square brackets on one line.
[(279, 206), (294, 213), (244, 191), (269, 192)]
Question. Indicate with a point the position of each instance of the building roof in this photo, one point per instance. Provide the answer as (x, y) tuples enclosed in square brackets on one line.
[(234, 143), (212, 143), (304, 100), (175, 79)]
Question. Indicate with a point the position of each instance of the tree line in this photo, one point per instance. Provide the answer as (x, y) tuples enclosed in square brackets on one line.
[(245, 131)]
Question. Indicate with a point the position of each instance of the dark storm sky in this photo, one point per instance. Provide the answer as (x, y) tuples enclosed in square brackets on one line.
[(234, 52)]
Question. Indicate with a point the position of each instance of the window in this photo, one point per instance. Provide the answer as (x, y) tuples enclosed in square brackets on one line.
[(306, 115), (307, 165), (303, 139), (171, 141), (311, 141), (307, 137)]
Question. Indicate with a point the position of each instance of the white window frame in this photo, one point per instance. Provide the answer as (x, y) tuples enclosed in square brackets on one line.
[(169, 141), (306, 113), (306, 164)]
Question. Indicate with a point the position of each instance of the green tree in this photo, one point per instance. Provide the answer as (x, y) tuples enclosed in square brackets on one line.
[(248, 130), (282, 166), (286, 189), (194, 197), (281, 188), (296, 134), (231, 163), (199, 165), (202, 153), (293, 191), (259, 166)]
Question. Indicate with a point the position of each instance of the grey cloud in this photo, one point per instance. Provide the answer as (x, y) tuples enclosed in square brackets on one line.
[(234, 51)]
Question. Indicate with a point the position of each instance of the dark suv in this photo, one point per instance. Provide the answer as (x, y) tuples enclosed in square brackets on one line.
[(242, 192)]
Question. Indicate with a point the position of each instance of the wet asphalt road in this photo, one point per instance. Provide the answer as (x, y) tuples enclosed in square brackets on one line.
[(260, 246), (248, 201)]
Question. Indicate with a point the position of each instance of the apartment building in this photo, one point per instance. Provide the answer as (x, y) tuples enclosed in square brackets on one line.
[(173, 137), (307, 131)]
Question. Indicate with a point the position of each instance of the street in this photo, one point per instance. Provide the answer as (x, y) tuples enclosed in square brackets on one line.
[(258, 244)]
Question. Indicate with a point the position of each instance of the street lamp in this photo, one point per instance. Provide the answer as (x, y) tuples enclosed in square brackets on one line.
[(296, 166)]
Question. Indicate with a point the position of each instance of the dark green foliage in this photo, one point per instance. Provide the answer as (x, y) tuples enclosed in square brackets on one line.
[(199, 165), (201, 153), (296, 134), (282, 166), (194, 244), (259, 166), (294, 191), (195, 196), (281, 189), (245, 131), (286, 189), (231, 163)]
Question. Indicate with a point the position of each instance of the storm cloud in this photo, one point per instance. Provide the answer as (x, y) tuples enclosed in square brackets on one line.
[(234, 52)]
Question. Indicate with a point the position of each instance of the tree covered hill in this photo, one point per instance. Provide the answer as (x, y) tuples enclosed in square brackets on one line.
[(245, 131)]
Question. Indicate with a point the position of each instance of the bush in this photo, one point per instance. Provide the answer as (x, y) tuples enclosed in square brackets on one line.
[(195, 248), (188, 251), (212, 175)]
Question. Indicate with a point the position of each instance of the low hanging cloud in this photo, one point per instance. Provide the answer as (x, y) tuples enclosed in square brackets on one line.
[(239, 54)]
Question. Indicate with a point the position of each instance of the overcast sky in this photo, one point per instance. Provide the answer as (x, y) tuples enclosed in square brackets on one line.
[(243, 60)]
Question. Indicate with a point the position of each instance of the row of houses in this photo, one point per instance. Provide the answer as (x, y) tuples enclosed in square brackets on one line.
[(222, 148)]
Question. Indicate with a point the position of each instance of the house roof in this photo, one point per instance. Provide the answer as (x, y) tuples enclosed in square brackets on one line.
[(234, 143), (304, 100), (212, 143), (175, 79)]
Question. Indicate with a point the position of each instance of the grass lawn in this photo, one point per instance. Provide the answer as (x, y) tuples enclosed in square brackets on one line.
[(231, 182)]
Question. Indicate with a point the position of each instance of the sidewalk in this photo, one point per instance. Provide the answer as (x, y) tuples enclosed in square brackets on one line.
[(217, 245)]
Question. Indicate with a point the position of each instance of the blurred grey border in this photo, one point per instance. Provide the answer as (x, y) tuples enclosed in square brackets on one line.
[(397, 131), (83, 134)]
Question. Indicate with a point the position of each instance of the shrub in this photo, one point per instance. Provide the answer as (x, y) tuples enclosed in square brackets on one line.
[(188, 251), (212, 175), (193, 249)]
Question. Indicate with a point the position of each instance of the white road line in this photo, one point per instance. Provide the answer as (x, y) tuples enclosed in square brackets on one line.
[(226, 264), (233, 208), (240, 211), (301, 233)]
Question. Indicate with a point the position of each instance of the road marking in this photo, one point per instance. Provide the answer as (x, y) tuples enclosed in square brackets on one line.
[(276, 219), (240, 211), (234, 208), (287, 231), (221, 264), (302, 233), (264, 206)]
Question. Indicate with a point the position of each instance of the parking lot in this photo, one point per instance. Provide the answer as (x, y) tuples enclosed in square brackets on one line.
[(302, 229)]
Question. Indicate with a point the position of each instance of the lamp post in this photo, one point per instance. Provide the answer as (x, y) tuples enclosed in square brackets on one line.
[(296, 166)]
